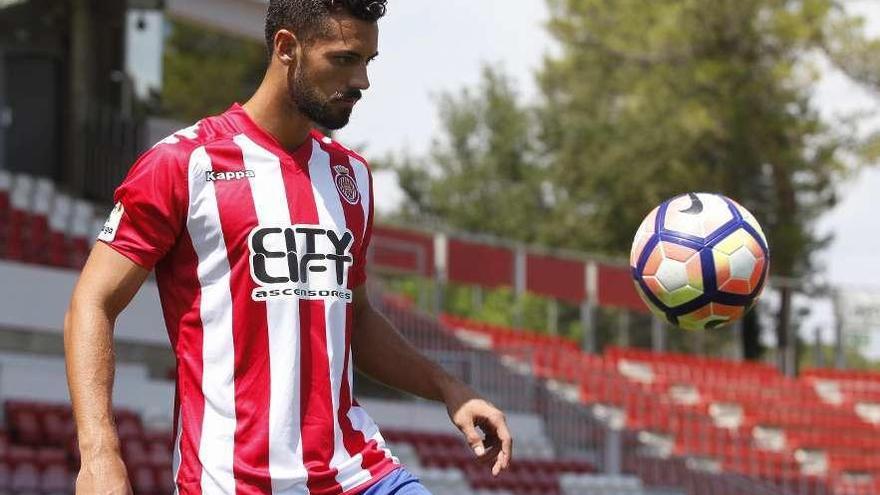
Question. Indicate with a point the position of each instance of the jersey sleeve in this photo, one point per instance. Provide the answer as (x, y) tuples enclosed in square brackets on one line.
[(359, 270), (150, 209)]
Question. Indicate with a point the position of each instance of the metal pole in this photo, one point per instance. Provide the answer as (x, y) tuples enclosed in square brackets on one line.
[(553, 316), (658, 334), (589, 305), (588, 316), (440, 272), (519, 285), (817, 346), (623, 324), (738, 329), (5, 113), (839, 357), (477, 298), (82, 54), (613, 451)]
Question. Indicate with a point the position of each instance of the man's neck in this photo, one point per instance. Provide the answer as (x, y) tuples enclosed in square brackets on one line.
[(270, 108)]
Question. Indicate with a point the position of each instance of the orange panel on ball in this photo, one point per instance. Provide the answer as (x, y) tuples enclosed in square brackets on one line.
[(654, 260), (677, 251), (755, 248), (737, 286), (654, 286), (756, 274), (722, 268)]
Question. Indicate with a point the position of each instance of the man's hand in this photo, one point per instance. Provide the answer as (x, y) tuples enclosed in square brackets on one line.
[(468, 412), (103, 475)]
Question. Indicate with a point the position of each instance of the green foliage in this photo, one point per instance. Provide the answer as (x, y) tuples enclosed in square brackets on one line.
[(648, 100), (643, 101), (483, 174), (206, 71)]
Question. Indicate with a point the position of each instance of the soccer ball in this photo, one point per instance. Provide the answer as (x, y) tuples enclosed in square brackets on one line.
[(699, 260)]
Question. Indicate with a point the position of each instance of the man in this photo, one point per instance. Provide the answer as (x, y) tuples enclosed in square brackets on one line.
[(257, 227)]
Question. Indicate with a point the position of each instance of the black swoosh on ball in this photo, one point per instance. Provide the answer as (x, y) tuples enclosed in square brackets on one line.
[(696, 206)]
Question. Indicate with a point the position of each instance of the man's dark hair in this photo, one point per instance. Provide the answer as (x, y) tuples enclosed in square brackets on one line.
[(306, 17)]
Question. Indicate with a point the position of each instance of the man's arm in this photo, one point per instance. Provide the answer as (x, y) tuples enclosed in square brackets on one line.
[(382, 353), (106, 286)]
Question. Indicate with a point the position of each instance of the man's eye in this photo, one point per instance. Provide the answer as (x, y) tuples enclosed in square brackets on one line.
[(344, 59)]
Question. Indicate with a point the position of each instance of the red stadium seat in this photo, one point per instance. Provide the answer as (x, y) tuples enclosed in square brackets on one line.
[(56, 478), (159, 453), (128, 425), (57, 426), (143, 480), (25, 477), (165, 479), (5, 475), (134, 451)]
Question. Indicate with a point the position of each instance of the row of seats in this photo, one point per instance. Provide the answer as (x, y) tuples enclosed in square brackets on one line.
[(525, 476), (39, 424), (448, 452), (39, 454), (704, 407), (40, 225)]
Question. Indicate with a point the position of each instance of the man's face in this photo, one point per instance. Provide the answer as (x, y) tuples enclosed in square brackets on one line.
[(332, 70)]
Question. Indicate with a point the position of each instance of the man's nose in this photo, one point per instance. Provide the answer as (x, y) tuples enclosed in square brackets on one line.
[(361, 79)]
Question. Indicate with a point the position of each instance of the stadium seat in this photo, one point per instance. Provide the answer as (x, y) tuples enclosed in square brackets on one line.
[(56, 478), (25, 477), (143, 480)]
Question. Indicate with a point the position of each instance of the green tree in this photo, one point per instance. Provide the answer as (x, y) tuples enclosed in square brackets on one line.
[(645, 100), (207, 70), (483, 174)]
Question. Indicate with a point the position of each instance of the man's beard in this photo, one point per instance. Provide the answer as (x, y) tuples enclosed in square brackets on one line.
[(317, 108)]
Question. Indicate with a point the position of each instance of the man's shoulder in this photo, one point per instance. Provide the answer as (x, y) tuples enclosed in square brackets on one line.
[(331, 144), (178, 147)]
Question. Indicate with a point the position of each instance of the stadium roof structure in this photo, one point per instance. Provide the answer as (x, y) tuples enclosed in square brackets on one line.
[(239, 17)]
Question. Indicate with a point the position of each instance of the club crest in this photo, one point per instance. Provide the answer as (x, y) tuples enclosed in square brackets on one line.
[(346, 185)]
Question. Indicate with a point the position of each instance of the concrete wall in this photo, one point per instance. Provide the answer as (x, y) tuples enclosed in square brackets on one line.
[(35, 298), (240, 17)]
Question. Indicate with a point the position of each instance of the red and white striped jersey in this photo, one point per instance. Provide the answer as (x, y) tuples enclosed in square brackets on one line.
[(256, 252)]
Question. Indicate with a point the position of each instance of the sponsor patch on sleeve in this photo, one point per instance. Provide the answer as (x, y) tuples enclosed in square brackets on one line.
[(108, 232)]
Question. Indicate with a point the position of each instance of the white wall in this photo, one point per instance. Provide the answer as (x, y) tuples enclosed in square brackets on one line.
[(35, 298), (43, 379)]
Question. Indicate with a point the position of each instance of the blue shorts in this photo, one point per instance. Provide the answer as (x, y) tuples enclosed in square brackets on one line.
[(399, 482)]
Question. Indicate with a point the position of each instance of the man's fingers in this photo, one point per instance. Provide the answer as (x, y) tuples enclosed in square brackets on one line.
[(474, 440), (503, 434), (501, 463)]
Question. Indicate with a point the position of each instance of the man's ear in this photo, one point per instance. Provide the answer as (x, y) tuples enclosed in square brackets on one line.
[(286, 47)]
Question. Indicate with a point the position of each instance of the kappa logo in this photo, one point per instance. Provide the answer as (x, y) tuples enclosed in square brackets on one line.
[(211, 176), (346, 185)]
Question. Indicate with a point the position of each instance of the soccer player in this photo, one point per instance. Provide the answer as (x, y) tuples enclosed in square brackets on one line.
[(257, 227)]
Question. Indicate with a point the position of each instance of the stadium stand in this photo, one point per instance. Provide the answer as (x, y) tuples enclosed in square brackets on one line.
[(817, 434), (624, 422)]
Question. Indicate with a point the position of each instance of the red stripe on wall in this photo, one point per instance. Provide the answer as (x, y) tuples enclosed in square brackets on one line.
[(480, 264), (556, 277)]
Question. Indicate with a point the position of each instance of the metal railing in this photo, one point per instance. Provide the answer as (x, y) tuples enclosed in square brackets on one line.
[(587, 431)]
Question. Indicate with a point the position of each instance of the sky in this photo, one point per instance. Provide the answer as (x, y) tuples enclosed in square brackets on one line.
[(419, 60), (427, 48)]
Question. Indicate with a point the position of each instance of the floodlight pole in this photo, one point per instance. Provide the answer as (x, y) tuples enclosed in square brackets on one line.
[(589, 305), (658, 334), (519, 285), (839, 357), (440, 272)]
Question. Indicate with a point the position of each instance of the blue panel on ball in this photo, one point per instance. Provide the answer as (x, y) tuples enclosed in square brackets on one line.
[(646, 253), (675, 238)]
